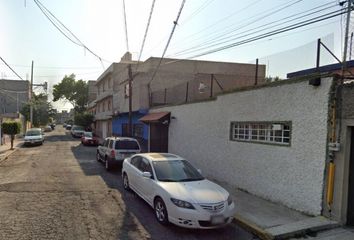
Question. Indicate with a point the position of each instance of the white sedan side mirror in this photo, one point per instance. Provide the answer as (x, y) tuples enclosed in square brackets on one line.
[(147, 174), (200, 171)]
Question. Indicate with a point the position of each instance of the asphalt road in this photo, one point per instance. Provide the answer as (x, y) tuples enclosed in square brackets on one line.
[(59, 191)]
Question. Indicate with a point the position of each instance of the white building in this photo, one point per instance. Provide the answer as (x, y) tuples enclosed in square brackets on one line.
[(269, 140)]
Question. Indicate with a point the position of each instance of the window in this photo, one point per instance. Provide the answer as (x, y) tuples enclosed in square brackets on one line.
[(109, 105), (127, 145), (136, 161), (264, 132), (145, 166), (111, 144)]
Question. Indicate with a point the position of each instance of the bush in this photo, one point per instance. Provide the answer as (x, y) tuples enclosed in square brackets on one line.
[(11, 128), (83, 119)]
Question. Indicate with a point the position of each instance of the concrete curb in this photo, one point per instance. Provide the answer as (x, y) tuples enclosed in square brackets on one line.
[(7, 153), (253, 228)]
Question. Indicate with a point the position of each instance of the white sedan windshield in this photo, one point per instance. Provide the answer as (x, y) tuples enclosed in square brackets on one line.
[(33, 133), (176, 171)]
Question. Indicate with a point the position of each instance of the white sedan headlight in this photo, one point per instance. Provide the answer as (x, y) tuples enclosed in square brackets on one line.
[(182, 204)]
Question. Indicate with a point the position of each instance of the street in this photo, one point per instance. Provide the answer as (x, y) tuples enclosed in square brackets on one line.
[(59, 191)]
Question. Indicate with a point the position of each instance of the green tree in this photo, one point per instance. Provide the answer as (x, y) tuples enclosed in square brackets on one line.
[(83, 119), (74, 91), (42, 110), (272, 79), (11, 128)]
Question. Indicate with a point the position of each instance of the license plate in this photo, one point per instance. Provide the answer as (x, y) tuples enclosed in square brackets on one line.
[(217, 219)]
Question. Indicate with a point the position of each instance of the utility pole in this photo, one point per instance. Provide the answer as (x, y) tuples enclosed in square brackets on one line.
[(344, 66), (130, 132), (31, 93)]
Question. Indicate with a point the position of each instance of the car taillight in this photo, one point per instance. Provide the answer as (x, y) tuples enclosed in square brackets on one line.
[(113, 154)]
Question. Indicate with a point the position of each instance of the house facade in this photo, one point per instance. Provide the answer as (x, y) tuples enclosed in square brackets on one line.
[(269, 140), (112, 102), (14, 94)]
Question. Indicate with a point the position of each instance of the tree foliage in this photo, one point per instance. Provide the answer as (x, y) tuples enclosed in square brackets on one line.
[(83, 119), (42, 110), (272, 79), (11, 128), (74, 91)]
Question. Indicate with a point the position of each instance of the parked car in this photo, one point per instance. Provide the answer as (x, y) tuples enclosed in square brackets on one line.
[(77, 131), (34, 136), (89, 138), (52, 125), (68, 127), (115, 149), (47, 129), (177, 191)]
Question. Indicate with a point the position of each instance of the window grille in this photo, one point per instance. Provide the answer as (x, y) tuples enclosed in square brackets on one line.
[(263, 132)]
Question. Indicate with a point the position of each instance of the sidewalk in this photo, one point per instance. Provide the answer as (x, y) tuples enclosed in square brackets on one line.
[(5, 148), (269, 220)]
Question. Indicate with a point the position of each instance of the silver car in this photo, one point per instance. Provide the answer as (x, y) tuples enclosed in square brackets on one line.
[(34, 136), (115, 149)]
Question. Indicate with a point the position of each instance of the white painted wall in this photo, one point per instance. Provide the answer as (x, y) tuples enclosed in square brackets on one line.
[(291, 175)]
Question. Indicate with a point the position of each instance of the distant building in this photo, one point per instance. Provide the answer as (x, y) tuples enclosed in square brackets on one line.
[(64, 116), (14, 94)]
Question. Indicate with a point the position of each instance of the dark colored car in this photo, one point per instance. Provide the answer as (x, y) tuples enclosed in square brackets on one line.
[(89, 138)]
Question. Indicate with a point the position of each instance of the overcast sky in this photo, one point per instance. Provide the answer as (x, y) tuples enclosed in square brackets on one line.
[(26, 34)]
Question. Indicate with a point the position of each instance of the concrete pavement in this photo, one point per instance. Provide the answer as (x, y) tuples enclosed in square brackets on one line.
[(269, 220), (5, 150)]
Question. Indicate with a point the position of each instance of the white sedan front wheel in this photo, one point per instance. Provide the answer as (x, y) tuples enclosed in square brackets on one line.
[(161, 211)]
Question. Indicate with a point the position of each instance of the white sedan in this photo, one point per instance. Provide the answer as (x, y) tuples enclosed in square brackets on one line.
[(177, 191)]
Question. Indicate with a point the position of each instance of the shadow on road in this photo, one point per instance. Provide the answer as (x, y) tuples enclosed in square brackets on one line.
[(137, 207)]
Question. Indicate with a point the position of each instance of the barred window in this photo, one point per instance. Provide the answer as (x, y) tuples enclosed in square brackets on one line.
[(263, 132)]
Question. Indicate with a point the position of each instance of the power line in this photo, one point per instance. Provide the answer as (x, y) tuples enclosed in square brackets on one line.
[(264, 27), (49, 15), (53, 67), (271, 33), (146, 31), (196, 12), (254, 19), (223, 19), (125, 26), (11, 68), (168, 42)]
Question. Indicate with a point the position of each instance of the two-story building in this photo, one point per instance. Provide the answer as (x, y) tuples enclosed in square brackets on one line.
[(172, 81)]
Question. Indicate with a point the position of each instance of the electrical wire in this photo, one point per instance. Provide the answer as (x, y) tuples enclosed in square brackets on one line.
[(146, 32), (261, 28), (53, 67), (168, 41), (11, 68), (196, 12), (49, 15), (268, 34), (221, 20), (247, 22), (125, 26)]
